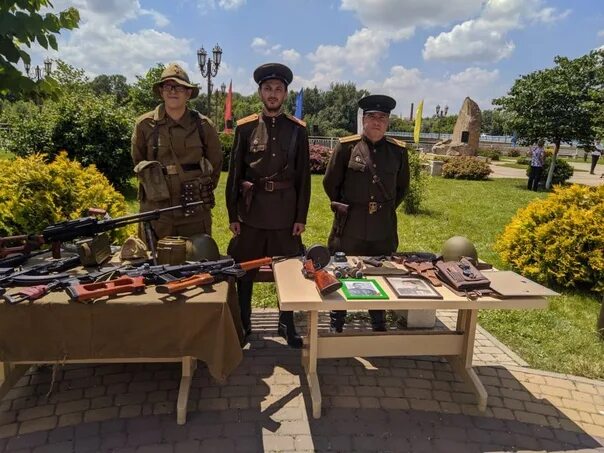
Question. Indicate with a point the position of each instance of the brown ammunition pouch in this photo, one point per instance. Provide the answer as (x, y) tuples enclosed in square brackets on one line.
[(341, 216), (462, 275), (151, 176)]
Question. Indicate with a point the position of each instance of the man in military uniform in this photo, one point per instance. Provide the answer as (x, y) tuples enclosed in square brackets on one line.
[(177, 157), (367, 176), (268, 187)]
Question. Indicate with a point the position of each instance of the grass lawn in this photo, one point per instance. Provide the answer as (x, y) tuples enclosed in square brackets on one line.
[(561, 338)]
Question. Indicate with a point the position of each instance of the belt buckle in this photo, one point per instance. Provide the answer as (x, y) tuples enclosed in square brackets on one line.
[(269, 186), (373, 207)]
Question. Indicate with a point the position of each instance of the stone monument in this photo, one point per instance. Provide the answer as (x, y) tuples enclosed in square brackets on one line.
[(466, 133)]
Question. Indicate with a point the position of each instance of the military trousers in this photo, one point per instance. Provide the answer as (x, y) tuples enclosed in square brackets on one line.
[(253, 243)]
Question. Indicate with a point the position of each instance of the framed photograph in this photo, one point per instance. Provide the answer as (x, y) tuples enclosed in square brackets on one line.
[(412, 288), (365, 288)]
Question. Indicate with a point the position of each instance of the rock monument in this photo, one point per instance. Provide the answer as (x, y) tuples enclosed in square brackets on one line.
[(466, 133)]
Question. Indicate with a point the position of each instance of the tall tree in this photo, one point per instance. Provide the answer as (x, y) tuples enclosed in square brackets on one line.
[(21, 25), (557, 104), (142, 98), (115, 85)]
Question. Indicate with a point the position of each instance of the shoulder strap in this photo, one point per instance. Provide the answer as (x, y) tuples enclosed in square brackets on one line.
[(364, 150), (197, 119), (155, 140)]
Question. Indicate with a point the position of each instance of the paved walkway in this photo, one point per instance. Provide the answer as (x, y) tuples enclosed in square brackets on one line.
[(377, 404), (579, 177)]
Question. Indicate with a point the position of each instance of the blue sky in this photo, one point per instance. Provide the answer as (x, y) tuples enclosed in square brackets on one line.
[(440, 51)]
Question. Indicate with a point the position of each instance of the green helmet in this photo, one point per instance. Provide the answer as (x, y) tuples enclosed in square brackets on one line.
[(202, 247), (456, 247)]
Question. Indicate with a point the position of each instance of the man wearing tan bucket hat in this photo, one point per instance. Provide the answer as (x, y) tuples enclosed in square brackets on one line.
[(177, 157)]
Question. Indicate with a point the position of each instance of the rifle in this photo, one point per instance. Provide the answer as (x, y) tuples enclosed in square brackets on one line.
[(21, 244), (150, 275), (325, 282), (237, 270)]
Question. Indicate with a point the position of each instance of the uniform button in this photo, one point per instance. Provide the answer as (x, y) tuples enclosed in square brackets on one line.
[(274, 138), (372, 197), (274, 154), (374, 166)]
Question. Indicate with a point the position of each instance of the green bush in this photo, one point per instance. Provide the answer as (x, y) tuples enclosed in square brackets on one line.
[(417, 185), (466, 167), (524, 160), (562, 171), (559, 239), (513, 152), (92, 129), (226, 143), (493, 154), (35, 193)]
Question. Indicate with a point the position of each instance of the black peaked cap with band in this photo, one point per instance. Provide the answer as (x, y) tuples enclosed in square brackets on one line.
[(271, 71), (377, 103)]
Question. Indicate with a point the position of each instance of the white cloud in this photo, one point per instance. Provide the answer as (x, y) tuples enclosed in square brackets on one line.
[(291, 56), (601, 33), (485, 38), (101, 46), (262, 46), (399, 14), (229, 5), (408, 85)]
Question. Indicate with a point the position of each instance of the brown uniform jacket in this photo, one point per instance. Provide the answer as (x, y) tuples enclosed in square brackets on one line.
[(348, 183), (278, 209), (177, 140)]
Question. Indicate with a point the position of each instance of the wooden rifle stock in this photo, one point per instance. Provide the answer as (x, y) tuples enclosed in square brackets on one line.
[(180, 285), (324, 281), (82, 293)]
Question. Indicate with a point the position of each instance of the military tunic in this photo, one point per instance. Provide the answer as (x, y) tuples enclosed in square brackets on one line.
[(276, 209), (179, 143), (347, 180)]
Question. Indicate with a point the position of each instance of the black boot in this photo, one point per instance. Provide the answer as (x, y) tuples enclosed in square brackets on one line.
[(287, 329), (244, 294), (337, 319), (378, 320)]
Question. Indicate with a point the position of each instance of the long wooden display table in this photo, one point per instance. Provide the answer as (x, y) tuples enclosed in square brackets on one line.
[(203, 325), (299, 294)]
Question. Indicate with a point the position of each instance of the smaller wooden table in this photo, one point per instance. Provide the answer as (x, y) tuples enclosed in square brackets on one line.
[(299, 294)]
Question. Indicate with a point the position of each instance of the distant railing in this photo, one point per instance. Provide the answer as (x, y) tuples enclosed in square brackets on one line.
[(331, 142)]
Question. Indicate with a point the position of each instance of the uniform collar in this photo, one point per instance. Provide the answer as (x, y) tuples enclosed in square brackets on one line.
[(376, 144), (160, 116)]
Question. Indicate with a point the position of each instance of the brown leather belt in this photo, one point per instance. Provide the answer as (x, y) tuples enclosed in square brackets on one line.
[(271, 186)]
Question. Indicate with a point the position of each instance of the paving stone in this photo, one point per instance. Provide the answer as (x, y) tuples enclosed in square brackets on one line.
[(38, 424), (31, 440), (105, 413), (36, 412)]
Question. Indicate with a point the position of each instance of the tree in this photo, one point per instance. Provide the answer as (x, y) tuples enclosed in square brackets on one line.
[(115, 85), (557, 104), (142, 98), (22, 25)]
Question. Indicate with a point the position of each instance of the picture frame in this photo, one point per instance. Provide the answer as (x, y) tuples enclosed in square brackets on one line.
[(412, 288), (362, 288)]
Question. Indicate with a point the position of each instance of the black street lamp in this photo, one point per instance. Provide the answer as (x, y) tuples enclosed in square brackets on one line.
[(37, 76), (209, 68)]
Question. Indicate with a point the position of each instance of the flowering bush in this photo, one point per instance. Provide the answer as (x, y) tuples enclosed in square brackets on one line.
[(319, 157), (466, 167), (559, 239)]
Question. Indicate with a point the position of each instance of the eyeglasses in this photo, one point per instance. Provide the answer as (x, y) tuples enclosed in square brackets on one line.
[(176, 88)]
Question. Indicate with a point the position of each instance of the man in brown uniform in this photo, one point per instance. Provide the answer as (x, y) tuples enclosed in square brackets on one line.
[(177, 157), (370, 174), (268, 187)]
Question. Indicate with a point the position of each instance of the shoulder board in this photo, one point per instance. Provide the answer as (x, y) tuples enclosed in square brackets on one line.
[(396, 142), (247, 119), (350, 138), (295, 120)]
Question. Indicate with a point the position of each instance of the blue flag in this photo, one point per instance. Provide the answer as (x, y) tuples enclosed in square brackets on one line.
[(299, 112)]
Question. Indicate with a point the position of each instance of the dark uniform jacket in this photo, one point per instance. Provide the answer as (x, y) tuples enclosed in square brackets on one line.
[(179, 143), (347, 180), (276, 209)]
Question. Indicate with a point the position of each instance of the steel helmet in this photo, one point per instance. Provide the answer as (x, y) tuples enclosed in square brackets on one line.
[(202, 247), (456, 247)]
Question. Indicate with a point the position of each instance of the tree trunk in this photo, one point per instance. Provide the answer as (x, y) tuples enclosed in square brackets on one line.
[(550, 174)]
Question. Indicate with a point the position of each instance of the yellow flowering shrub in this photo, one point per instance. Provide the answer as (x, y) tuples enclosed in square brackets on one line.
[(35, 193), (559, 239)]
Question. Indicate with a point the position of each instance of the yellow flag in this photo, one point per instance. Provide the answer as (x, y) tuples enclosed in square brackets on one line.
[(418, 121)]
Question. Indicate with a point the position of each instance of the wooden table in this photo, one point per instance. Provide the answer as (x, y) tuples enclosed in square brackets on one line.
[(200, 324), (299, 294)]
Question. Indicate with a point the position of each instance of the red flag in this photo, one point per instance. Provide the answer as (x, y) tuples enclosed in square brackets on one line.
[(228, 113)]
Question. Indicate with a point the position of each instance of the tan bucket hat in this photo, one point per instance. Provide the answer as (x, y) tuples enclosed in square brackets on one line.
[(177, 74), (134, 251)]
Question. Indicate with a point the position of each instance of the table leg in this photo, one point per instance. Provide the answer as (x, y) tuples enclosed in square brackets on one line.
[(9, 375), (462, 364), (309, 362), (188, 368)]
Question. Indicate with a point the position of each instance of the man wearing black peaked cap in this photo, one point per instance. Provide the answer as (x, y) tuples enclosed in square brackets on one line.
[(268, 187), (369, 174)]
